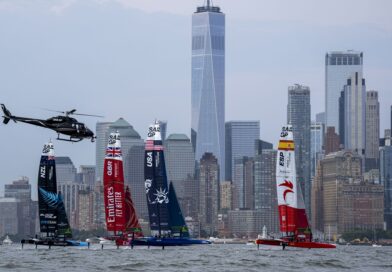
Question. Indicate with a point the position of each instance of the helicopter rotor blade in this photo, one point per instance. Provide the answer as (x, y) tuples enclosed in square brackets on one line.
[(53, 110), (93, 115), (70, 112)]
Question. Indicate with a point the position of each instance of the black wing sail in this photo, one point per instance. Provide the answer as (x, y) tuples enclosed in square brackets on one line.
[(47, 192), (64, 229), (156, 182), (177, 222)]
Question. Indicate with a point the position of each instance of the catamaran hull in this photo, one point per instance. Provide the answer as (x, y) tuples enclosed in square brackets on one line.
[(282, 243), (153, 241), (62, 243)]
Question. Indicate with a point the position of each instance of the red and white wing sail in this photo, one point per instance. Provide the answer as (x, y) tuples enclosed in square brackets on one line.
[(113, 178), (292, 213)]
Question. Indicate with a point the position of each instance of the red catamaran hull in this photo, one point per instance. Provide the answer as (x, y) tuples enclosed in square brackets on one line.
[(273, 242)]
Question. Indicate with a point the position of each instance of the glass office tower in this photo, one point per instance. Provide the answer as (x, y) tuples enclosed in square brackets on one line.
[(208, 83)]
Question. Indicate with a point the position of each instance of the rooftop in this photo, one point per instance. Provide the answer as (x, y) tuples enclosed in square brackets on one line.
[(177, 137), (126, 129), (209, 7)]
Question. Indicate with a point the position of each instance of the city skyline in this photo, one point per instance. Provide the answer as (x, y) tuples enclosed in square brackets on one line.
[(256, 68)]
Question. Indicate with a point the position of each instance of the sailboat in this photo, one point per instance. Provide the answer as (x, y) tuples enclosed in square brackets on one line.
[(293, 221), (121, 218), (54, 226), (168, 227)]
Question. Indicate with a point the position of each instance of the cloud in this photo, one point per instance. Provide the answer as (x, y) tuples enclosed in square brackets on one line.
[(60, 7)]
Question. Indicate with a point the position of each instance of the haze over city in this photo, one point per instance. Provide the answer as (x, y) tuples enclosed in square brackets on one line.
[(132, 59)]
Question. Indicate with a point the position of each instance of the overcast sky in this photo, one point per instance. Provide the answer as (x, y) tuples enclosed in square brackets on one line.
[(132, 58)]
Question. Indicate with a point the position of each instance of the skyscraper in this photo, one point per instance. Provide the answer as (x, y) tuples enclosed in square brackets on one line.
[(346, 201), (265, 197), (65, 170), (87, 173), (316, 145), (332, 141), (339, 66), (372, 154), (386, 179), (208, 83), (240, 142), (21, 190), (180, 167), (354, 93), (320, 118), (298, 115), (243, 183), (209, 193), (102, 133)]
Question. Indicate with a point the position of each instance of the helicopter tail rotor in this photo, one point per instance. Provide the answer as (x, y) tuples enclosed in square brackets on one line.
[(7, 114)]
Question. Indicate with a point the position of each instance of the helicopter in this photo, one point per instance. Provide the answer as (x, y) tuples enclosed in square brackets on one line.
[(62, 124)]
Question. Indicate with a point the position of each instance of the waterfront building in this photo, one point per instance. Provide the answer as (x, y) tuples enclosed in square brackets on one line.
[(386, 178), (265, 197), (226, 195), (320, 118), (339, 65), (65, 170), (332, 141), (209, 194), (372, 154), (208, 83), (243, 183), (87, 175), (316, 145), (86, 210), (240, 142), (261, 145), (70, 194), (298, 115), (9, 207), (21, 190), (353, 100), (245, 223), (180, 162), (343, 200)]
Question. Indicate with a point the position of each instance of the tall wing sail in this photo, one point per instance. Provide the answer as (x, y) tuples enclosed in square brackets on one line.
[(113, 179), (292, 213), (47, 192), (64, 229), (156, 182), (132, 224), (177, 222)]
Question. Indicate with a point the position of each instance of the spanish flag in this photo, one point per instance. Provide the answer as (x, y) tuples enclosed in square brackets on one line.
[(286, 145)]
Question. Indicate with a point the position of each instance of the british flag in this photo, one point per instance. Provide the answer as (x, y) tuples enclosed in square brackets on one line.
[(113, 152)]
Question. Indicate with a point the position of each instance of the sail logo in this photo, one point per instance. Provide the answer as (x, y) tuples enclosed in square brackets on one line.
[(289, 188), (46, 149), (109, 170), (111, 205), (152, 131), (113, 138), (42, 171), (161, 196), (281, 159), (149, 159), (147, 185)]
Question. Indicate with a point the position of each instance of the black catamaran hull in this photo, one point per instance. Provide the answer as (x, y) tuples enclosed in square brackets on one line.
[(167, 241), (54, 242)]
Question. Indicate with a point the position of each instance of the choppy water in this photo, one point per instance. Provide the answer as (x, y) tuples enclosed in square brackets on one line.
[(195, 258)]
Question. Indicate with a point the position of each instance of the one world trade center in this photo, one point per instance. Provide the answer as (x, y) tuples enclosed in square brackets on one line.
[(208, 83)]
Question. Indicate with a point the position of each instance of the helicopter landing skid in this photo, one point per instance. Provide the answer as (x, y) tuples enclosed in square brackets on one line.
[(73, 140)]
